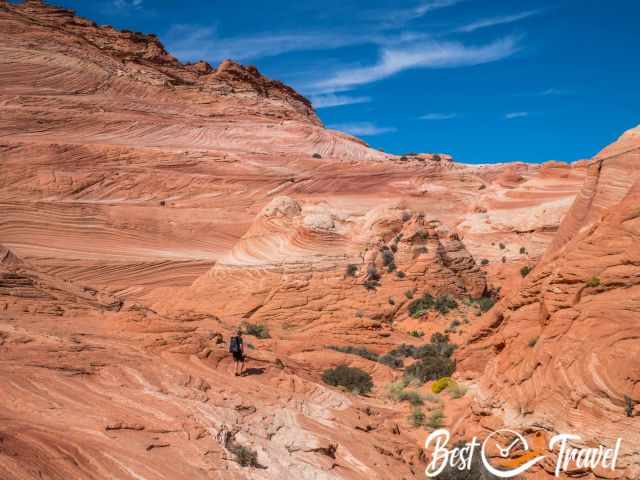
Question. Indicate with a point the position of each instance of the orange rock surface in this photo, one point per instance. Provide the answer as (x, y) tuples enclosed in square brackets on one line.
[(149, 207)]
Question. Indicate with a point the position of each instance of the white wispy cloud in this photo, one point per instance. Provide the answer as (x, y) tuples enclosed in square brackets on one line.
[(362, 128), (438, 116), (194, 42), (420, 55), (493, 21), (332, 100), (512, 115), (127, 4), (403, 15)]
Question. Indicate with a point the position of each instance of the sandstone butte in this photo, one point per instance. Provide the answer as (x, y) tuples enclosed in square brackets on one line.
[(150, 207)]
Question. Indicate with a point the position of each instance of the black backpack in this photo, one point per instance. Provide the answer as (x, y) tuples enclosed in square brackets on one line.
[(234, 344)]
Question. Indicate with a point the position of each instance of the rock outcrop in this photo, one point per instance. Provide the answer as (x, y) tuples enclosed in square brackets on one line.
[(562, 352)]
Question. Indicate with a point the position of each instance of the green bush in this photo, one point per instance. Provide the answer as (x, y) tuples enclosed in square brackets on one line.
[(524, 271), (400, 274), (391, 361), (442, 304), (416, 333), (628, 406), (257, 330), (360, 351), (411, 396), (351, 378), (409, 294), (435, 420), (351, 270), (417, 417), (434, 359), (593, 282), (245, 456)]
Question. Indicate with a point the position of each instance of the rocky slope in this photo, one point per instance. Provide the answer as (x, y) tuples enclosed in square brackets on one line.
[(562, 352), (152, 206)]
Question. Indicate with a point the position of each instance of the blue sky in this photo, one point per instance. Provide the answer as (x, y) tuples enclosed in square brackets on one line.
[(484, 80)]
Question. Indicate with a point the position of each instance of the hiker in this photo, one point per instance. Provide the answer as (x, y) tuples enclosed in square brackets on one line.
[(236, 348)]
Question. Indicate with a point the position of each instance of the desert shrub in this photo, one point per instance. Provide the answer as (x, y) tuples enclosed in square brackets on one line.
[(409, 294), (163, 203), (391, 301), (411, 396), (628, 406), (400, 274), (523, 250), (524, 271), (316, 155), (417, 417), (257, 330), (431, 367), (433, 359), (435, 420), (504, 259), (387, 257), (416, 333), (444, 303), (396, 388), (403, 158), (453, 325), (440, 384), (391, 361), (351, 378), (485, 303), (351, 270), (371, 284), (419, 307), (372, 272), (532, 342), (593, 282), (436, 157), (245, 456), (456, 390), (502, 246), (360, 351), (484, 261), (391, 267)]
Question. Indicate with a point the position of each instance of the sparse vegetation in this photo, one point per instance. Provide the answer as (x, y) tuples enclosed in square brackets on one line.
[(628, 406), (456, 390), (400, 274), (593, 282), (436, 158), (353, 379), (391, 361), (387, 257), (257, 330), (485, 303), (433, 359), (391, 301), (442, 304), (484, 261), (360, 351), (502, 246), (408, 294), (454, 325), (523, 250), (416, 333), (532, 342), (352, 269), (524, 271), (373, 278), (436, 419), (417, 417), (245, 456)]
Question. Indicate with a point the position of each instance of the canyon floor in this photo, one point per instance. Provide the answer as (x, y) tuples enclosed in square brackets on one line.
[(150, 208)]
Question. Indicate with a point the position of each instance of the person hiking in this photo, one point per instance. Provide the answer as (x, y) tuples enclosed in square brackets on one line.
[(236, 348)]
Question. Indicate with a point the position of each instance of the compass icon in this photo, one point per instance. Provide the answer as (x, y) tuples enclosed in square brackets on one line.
[(516, 442)]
